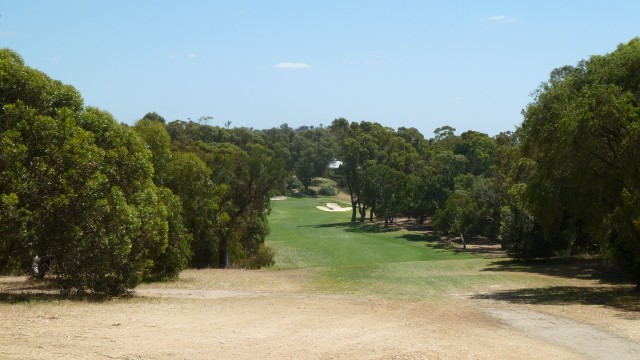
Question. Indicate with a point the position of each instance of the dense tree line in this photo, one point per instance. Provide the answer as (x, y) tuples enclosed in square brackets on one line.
[(102, 206), (566, 182), (77, 188), (112, 205), (582, 136)]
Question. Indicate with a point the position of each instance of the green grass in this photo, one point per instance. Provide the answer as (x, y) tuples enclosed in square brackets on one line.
[(305, 237), (366, 260)]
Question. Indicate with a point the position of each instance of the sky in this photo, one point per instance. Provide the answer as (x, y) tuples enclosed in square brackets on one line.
[(472, 65)]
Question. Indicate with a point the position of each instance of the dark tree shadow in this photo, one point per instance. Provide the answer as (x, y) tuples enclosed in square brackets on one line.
[(26, 290), (566, 267), (614, 289), (356, 227), (433, 240), (618, 297)]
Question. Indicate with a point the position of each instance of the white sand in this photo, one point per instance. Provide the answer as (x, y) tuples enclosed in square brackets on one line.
[(333, 207)]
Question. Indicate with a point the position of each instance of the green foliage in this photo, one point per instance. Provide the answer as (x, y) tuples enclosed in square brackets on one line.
[(430, 187), (294, 183), (13, 256), (264, 257), (479, 150), (75, 186), (581, 132), (387, 185), (473, 208), (313, 151), (176, 254), (327, 190), (522, 236), (157, 140), (189, 178)]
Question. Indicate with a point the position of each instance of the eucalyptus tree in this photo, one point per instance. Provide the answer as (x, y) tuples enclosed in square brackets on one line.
[(76, 188), (583, 133)]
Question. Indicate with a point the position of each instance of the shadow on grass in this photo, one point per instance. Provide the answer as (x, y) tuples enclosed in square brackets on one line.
[(618, 297), (356, 227), (483, 248)]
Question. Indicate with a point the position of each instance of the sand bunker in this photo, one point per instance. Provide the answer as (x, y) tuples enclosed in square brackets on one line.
[(333, 207), (279, 198)]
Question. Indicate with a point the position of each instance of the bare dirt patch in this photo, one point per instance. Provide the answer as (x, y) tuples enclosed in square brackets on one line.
[(272, 315)]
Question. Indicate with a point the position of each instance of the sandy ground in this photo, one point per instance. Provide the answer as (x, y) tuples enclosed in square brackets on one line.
[(333, 207), (235, 314)]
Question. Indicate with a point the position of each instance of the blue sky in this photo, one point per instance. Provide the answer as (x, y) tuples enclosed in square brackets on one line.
[(468, 64)]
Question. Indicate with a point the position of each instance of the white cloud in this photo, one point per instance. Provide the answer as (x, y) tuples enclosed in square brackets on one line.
[(292, 65), (498, 19), (7, 34), (191, 56)]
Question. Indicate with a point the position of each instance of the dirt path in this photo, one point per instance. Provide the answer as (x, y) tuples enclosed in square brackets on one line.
[(589, 340), (214, 314)]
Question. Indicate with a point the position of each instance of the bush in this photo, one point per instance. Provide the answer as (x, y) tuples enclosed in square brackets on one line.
[(327, 190), (294, 183), (522, 236), (311, 192), (265, 257)]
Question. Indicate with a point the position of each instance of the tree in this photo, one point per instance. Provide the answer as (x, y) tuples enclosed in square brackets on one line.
[(388, 188), (479, 149), (583, 132), (153, 116), (313, 150), (431, 186), (472, 209), (190, 179), (157, 139), (75, 187), (522, 236), (251, 176)]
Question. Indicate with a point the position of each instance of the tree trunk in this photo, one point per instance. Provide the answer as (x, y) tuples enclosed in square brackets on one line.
[(421, 219), (353, 209), (363, 213)]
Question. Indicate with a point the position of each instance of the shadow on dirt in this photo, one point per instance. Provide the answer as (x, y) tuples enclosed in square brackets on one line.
[(615, 290), (21, 290), (566, 267), (618, 297)]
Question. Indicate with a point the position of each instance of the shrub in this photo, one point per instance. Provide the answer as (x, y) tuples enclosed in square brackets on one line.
[(265, 257), (327, 190), (311, 192), (294, 183), (522, 236)]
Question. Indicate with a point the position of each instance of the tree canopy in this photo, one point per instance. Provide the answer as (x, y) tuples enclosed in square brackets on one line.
[(103, 206)]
